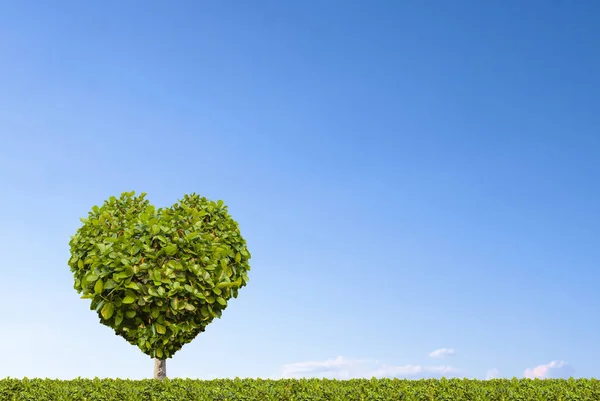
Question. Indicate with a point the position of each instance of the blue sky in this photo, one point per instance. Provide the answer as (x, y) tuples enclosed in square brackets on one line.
[(412, 178)]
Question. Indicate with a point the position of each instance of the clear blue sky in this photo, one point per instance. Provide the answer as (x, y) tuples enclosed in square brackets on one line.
[(409, 176)]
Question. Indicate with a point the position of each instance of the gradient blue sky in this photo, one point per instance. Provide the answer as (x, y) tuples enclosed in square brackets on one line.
[(409, 176)]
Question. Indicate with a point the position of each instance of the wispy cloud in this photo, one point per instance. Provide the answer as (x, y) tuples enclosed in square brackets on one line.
[(554, 369), (344, 368), (492, 374), (442, 352)]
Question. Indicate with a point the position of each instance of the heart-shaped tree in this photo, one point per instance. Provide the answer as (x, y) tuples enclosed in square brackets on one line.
[(158, 277)]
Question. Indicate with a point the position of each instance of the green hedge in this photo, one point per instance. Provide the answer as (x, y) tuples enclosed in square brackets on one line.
[(299, 390)]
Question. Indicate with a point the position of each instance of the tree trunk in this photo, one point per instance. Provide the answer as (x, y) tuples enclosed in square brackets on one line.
[(160, 368)]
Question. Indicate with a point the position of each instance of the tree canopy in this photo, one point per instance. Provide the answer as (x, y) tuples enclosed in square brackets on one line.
[(158, 277)]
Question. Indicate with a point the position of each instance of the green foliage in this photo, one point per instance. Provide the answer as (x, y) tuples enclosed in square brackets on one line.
[(158, 277), (301, 390)]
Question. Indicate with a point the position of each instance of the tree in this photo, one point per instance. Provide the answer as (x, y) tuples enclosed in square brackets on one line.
[(158, 277)]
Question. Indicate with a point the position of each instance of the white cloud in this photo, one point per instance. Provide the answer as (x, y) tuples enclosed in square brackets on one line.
[(492, 374), (343, 368), (554, 369), (442, 352)]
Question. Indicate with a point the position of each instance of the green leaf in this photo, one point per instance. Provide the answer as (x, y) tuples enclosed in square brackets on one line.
[(107, 311), (221, 301), (80, 264), (175, 303), (110, 284), (99, 305), (160, 329), (170, 250), (121, 276), (130, 313), (238, 257), (157, 275), (90, 278), (133, 286), (128, 299), (224, 263), (119, 318), (225, 284), (159, 353), (192, 236), (98, 287)]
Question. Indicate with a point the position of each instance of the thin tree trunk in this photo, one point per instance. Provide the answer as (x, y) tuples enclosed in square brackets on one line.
[(160, 368)]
